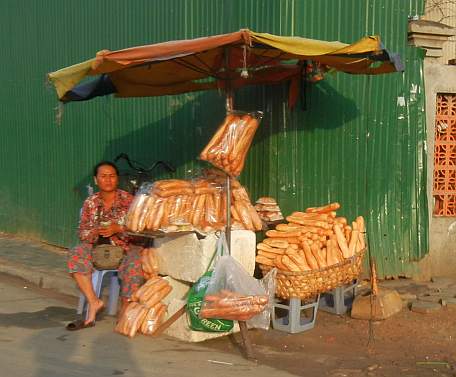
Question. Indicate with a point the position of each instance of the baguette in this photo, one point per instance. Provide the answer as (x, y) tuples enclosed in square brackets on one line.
[(327, 208), (310, 259), (171, 184), (342, 242), (216, 139), (308, 222), (278, 234), (267, 254), (276, 242), (266, 261), (269, 249), (316, 252), (244, 214), (279, 264), (256, 221), (299, 261), (289, 227), (353, 242), (136, 212), (291, 266), (174, 192), (158, 296)]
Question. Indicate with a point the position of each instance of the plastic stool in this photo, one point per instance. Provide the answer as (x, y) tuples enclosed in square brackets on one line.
[(97, 283), (338, 301), (293, 322)]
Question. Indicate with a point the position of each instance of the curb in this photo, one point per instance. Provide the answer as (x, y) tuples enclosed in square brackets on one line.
[(58, 281)]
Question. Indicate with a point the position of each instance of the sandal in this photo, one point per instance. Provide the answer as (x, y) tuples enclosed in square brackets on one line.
[(79, 325)]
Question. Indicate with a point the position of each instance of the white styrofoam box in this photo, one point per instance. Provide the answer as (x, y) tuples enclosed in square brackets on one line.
[(186, 258)]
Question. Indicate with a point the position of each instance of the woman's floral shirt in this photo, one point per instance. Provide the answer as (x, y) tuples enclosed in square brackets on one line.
[(93, 215)]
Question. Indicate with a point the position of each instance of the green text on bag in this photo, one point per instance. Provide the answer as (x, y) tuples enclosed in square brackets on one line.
[(194, 302)]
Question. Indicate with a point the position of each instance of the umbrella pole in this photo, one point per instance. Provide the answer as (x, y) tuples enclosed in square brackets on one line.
[(242, 324)]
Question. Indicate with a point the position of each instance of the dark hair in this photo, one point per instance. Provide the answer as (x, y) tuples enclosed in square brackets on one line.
[(105, 163)]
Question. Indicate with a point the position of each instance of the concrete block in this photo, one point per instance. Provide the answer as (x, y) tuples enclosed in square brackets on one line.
[(425, 307), (442, 281), (449, 302), (395, 283), (407, 296), (181, 330), (186, 258), (179, 292), (386, 304), (430, 298)]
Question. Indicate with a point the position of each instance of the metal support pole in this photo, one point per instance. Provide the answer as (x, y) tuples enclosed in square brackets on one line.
[(228, 213), (229, 107)]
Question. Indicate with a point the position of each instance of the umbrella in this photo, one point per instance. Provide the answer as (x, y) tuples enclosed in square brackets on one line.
[(226, 61)]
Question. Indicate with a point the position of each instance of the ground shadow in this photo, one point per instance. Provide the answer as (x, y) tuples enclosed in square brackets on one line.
[(52, 316)]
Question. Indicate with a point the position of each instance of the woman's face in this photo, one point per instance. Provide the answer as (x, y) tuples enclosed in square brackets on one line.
[(107, 178)]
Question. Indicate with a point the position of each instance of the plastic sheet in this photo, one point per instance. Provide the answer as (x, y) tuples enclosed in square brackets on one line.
[(227, 150), (233, 294)]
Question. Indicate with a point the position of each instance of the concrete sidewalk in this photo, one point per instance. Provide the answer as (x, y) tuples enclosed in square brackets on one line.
[(37, 263)]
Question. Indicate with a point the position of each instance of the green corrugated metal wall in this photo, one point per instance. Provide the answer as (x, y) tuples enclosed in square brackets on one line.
[(355, 143)]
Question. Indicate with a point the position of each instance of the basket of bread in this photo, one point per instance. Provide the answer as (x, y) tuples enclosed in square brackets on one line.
[(315, 252)]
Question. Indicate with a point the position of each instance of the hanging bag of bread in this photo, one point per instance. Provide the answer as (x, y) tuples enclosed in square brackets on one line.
[(233, 294), (227, 150)]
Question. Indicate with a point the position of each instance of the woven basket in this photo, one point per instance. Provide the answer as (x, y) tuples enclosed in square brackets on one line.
[(310, 283)]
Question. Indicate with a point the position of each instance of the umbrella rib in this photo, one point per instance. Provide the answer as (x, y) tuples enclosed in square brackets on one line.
[(214, 74), (194, 68)]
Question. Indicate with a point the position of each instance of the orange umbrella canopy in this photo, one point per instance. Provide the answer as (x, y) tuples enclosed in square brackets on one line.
[(216, 62)]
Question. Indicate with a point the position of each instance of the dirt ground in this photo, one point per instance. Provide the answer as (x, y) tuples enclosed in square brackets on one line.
[(407, 344)]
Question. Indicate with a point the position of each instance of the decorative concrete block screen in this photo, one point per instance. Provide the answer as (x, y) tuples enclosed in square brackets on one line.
[(445, 156)]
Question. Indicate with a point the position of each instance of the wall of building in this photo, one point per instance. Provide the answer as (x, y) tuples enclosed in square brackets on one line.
[(439, 78)]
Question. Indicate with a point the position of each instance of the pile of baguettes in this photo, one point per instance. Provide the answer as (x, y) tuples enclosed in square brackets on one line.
[(311, 240), (181, 205), (146, 312)]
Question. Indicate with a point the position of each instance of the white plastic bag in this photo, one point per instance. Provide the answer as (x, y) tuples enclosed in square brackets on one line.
[(233, 294)]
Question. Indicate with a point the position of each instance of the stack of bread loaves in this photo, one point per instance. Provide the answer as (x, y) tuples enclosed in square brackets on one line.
[(311, 240), (146, 311), (268, 209), (181, 205)]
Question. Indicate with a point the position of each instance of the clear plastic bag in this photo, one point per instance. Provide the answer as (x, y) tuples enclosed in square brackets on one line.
[(227, 150), (233, 294), (175, 205), (131, 320), (153, 319)]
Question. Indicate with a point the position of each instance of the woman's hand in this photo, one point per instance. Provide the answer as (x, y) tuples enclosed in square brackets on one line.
[(108, 231)]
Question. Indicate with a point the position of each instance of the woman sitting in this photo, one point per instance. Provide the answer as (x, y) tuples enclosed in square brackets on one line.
[(102, 221)]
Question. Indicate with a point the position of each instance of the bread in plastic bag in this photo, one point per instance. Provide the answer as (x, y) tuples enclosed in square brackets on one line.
[(233, 294), (175, 205), (227, 150), (153, 319), (131, 320), (149, 263)]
